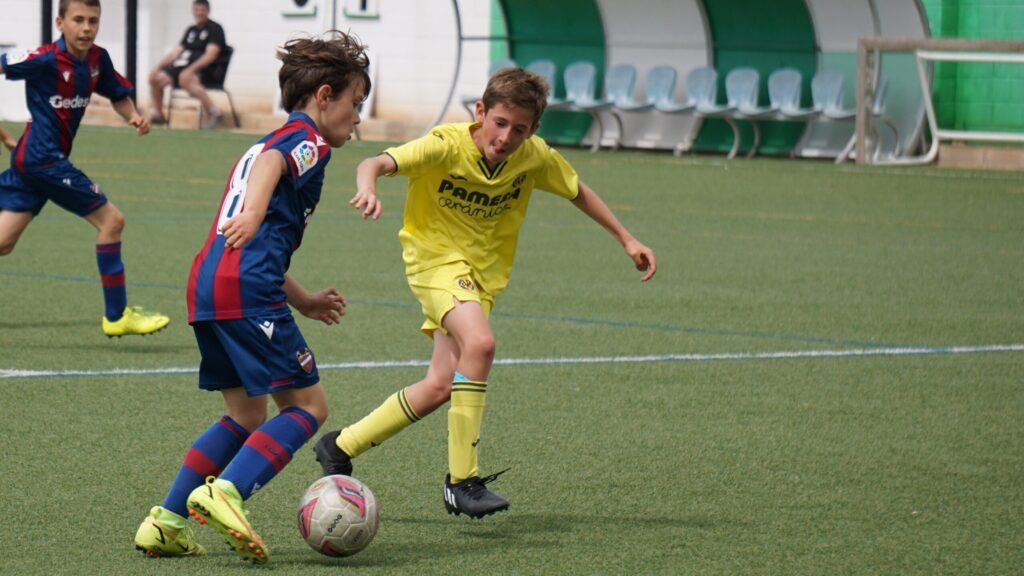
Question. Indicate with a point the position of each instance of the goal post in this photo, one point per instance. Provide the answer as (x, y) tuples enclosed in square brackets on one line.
[(926, 51)]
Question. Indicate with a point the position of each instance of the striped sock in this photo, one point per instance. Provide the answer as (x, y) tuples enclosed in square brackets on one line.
[(115, 295), (209, 454), (388, 419), (465, 418), (269, 449)]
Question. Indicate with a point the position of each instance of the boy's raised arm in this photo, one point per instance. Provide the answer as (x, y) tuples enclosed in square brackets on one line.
[(366, 184), (266, 172), (591, 204)]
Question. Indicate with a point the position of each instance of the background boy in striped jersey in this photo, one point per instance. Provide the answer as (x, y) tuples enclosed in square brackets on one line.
[(60, 79)]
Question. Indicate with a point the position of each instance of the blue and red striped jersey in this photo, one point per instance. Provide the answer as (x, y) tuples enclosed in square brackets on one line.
[(228, 283), (57, 89)]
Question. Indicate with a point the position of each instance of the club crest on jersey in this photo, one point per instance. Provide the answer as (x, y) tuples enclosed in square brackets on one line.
[(519, 180), (305, 156), (466, 284), (305, 358)]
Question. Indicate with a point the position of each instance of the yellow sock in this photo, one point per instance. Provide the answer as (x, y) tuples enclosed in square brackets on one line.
[(465, 417), (385, 421)]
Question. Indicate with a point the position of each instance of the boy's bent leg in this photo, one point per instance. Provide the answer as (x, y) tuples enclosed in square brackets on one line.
[(465, 492), (208, 456), (215, 501), (335, 450), (118, 319), (19, 203), (269, 449), (218, 504), (12, 225), (108, 221), (221, 502)]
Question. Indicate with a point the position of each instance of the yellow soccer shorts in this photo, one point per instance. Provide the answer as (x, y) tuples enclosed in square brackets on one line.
[(438, 288)]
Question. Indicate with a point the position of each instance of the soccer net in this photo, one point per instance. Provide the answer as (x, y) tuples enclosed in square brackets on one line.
[(925, 51)]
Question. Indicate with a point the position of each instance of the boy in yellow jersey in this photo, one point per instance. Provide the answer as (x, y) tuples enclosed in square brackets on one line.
[(469, 187)]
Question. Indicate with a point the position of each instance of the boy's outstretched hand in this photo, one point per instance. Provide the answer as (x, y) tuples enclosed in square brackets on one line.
[(643, 259), (141, 124), (367, 201), (327, 306)]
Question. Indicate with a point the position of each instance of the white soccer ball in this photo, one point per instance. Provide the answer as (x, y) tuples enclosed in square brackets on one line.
[(338, 516)]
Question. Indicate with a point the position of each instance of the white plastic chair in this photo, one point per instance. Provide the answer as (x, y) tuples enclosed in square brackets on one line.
[(619, 86), (785, 87), (827, 92), (701, 93), (743, 87), (659, 88), (580, 83), (545, 69), (704, 92)]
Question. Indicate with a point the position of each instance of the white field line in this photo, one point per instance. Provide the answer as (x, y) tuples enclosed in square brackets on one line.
[(781, 355)]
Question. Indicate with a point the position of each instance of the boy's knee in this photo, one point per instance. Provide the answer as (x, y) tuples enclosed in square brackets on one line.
[(320, 413), (249, 420), (7, 246), (114, 222), (439, 388), (480, 346)]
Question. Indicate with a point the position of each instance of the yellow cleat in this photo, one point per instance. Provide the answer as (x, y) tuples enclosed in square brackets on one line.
[(135, 321), (165, 534), (218, 504)]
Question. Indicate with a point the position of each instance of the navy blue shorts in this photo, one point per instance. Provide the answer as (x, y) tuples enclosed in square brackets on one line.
[(67, 186), (264, 355)]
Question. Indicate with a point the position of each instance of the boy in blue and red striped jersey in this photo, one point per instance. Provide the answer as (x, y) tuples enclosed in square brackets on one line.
[(239, 290), (60, 78)]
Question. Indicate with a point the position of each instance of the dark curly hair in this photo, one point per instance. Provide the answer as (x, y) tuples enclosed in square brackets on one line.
[(308, 63)]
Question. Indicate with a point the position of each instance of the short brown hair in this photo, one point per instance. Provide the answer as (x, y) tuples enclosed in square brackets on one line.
[(63, 7), (308, 63), (517, 87)]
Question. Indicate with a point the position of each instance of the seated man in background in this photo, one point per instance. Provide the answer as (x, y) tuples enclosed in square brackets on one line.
[(184, 65)]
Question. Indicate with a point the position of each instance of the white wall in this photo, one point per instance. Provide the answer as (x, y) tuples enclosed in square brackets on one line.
[(413, 44)]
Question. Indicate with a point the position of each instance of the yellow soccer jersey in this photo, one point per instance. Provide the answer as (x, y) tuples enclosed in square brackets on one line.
[(457, 209)]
